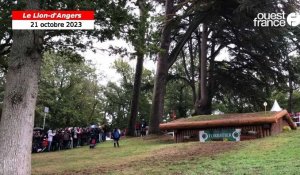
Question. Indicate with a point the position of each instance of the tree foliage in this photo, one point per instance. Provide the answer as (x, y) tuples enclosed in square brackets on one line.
[(69, 87), (256, 54), (117, 96), (110, 16)]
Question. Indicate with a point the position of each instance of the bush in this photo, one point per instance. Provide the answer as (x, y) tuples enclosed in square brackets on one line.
[(286, 128)]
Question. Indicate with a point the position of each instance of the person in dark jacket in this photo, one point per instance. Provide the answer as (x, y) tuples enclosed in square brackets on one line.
[(116, 136), (144, 125), (93, 137)]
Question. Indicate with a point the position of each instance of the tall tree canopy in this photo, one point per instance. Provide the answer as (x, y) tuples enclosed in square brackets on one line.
[(256, 53)]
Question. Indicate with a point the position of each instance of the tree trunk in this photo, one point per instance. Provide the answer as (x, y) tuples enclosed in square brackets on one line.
[(291, 78), (201, 106), (140, 48), (211, 79), (190, 45), (135, 94), (21, 90), (189, 74), (157, 109), (290, 102)]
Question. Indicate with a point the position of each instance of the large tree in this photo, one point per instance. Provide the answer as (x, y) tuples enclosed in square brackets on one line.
[(137, 36), (201, 105), (20, 99), (175, 16), (24, 65), (116, 96), (162, 69), (257, 49)]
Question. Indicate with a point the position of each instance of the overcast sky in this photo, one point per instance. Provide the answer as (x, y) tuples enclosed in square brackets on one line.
[(103, 61)]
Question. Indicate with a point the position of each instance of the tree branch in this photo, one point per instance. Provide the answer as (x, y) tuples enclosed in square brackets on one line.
[(198, 19)]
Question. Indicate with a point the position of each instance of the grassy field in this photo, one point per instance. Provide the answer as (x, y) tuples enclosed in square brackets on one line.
[(273, 155)]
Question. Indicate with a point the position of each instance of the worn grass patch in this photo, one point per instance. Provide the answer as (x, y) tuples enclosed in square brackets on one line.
[(273, 155)]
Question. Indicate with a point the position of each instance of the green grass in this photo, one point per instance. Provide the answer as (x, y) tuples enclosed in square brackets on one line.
[(273, 155), (104, 154), (224, 116)]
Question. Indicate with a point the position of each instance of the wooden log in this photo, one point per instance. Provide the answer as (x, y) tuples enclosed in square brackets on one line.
[(216, 123), (259, 131), (290, 122), (274, 128), (228, 122), (181, 136)]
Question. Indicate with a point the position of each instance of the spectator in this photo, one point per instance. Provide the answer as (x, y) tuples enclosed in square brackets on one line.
[(144, 125), (66, 139), (50, 139), (137, 129), (79, 135), (93, 137), (116, 137), (100, 134), (44, 143), (104, 128), (55, 142), (76, 137)]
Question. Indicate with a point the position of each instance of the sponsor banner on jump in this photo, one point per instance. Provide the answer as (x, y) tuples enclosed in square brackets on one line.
[(52, 20), (220, 135)]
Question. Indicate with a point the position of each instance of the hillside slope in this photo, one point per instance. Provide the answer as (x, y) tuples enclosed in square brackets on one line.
[(273, 155)]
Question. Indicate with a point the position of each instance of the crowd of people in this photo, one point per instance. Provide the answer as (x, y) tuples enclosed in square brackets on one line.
[(141, 129), (68, 138), (72, 137)]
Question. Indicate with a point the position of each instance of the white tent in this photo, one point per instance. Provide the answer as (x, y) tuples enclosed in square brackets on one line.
[(276, 106), (217, 112)]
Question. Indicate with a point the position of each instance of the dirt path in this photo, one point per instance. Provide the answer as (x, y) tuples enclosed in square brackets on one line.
[(172, 154)]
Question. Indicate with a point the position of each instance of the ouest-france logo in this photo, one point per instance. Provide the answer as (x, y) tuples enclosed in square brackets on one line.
[(276, 19)]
